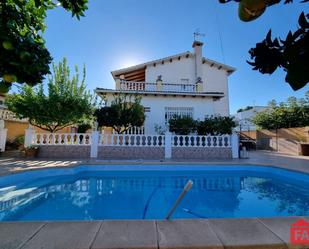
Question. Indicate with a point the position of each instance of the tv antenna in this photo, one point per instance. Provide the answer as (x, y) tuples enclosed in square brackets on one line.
[(197, 34)]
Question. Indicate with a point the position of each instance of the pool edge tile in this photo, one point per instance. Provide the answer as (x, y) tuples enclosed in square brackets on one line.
[(126, 234), (187, 234), (246, 233)]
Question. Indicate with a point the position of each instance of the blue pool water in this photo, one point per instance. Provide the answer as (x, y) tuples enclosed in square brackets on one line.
[(148, 192)]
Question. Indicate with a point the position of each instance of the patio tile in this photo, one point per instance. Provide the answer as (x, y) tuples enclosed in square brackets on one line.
[(187, 234), (14, 234), (281, 227), (245, 234), (123, 234), (64, 235)]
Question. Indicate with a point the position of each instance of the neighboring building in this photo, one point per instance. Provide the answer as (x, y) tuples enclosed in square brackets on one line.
[(244, 118), (182, 84)]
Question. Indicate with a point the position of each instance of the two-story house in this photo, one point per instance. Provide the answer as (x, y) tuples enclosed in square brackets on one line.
[(181, 84)]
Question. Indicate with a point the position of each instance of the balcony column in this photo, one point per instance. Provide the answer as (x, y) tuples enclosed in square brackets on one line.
[(118, 81), (199, 85), (159, 83)]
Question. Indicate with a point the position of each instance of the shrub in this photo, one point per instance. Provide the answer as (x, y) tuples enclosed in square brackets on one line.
[(215, 126), (182, 125)]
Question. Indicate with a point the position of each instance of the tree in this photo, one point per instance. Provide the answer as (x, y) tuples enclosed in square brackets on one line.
[(123, 114), (292, 113), (67, 102), (291, 54), (23, 55)]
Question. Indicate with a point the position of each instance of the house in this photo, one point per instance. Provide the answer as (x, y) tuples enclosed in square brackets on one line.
[(244, 118), (182, 84)]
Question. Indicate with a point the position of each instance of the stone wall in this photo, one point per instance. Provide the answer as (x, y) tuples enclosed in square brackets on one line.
[(67, 151), (120, 152), (201, 153)]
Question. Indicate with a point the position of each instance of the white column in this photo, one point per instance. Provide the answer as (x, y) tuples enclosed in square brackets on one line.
[(94, 144), (235, 145), (3, 134), (29, 133), (168, 145)]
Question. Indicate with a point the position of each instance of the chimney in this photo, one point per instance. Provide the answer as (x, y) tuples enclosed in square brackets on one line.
[(198, 56)]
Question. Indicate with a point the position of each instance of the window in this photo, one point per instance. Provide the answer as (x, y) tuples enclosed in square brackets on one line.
[(178, 111)]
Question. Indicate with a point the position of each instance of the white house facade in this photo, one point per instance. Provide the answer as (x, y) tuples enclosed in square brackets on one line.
[(182, 84), (244, 118)]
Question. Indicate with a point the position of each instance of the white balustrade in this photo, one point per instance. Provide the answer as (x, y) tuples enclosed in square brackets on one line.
[(223, 141), (152, 87), (131, 140), (61, 139)]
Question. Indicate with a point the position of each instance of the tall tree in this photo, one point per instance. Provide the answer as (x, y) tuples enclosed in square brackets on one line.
[(291, 54), (23, 55), (66, 103), (123, 113)]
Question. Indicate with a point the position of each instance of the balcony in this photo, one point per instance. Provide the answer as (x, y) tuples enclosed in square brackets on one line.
[(159, 86)]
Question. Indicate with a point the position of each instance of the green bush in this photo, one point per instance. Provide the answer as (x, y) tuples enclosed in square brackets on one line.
[(182, 125), (215, 126), (209, 126)]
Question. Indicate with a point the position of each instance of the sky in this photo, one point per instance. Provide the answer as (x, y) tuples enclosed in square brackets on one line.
[(120, 33)]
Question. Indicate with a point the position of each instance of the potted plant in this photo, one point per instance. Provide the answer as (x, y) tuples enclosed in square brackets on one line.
[(31, 151)]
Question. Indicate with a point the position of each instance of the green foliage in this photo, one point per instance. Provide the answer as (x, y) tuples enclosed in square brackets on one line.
[(23, 55), (83, 127), (181, 125), (210, 126), (123, 113), (245, 109), (215, 126), (291, 54), (292, 113), (67, 102)]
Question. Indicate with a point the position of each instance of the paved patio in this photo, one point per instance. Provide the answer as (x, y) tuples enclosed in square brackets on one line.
[(297, 163), (254, 233)]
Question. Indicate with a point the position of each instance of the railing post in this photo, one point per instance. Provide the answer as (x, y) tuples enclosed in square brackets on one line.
[(159, 83), (94, 144), (168, 145), (235, 145), (3, 134), (29, 133), (199, 85)]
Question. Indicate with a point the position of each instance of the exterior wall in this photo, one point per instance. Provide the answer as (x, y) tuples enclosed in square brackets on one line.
[(172, 72), (67, 151), (284, 140), (157, 104), (214, 80), (201, 153), (16, 129), (119, 152), (244, 118)]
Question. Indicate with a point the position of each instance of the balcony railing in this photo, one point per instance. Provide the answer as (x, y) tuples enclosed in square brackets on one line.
[(10, 116), (156, 87)]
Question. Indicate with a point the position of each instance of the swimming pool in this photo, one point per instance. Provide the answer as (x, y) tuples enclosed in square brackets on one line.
[(149, 191)]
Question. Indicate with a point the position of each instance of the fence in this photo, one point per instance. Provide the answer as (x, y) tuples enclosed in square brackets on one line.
[(125, 145)]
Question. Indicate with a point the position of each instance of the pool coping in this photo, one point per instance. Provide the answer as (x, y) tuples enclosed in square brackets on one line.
[(253, 233)]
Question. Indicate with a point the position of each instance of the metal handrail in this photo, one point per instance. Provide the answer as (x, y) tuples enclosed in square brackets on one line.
[(185, 190)]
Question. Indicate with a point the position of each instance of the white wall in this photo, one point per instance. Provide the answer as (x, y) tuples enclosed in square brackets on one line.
[(214, 80), (172, 72)]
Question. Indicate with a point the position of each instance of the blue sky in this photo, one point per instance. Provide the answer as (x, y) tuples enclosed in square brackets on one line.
[(120, 33)]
